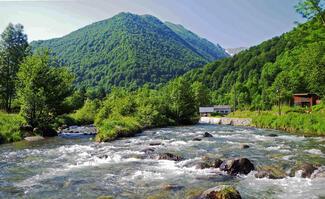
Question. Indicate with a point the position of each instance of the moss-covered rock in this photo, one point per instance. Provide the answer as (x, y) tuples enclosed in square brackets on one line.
[(272, 172), (208, 162), (221, 192), (305, 168), (105, 197)]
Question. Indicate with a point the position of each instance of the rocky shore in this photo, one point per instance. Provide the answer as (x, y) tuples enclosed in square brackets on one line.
[(226, 121)]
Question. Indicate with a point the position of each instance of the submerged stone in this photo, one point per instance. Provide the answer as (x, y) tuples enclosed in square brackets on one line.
[(271, 172), (169, 156)]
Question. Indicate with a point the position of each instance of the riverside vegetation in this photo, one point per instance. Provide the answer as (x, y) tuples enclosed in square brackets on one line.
[(37, 83)]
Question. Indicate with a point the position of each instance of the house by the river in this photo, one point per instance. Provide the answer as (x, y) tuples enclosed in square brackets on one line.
[(305, 99), (220, 109)]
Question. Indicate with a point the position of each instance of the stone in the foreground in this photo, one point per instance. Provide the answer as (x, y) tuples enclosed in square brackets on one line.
[(221, 192), (34, 138), (237, 166)]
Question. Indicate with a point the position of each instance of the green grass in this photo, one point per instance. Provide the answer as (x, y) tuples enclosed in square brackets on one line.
[(9, 127), (292, 119), (115, 127)]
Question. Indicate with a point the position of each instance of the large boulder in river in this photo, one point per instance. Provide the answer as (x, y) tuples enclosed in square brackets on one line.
[(271, 172), (306, 170), (221, 192), (169, 156), (237, 166)]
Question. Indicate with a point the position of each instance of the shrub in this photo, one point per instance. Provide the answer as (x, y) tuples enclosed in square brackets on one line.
[(87, 114), (10, 127)]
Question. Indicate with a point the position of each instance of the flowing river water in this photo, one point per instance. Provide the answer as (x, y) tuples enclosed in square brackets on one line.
[(80, 168)]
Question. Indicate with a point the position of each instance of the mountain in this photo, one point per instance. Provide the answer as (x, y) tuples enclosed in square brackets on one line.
[(263, 75), (235, 51), (128, 50), (201, 45)]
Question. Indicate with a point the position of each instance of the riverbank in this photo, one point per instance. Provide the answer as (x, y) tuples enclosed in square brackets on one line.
[(294, 120)]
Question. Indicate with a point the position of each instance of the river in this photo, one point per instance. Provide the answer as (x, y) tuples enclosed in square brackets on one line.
[(80, 168)]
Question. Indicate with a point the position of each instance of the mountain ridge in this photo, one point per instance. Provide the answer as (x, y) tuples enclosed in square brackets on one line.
[(126, 50)]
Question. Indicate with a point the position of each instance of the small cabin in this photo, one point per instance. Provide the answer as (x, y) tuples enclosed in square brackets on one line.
[(305, 99), (208, 111)]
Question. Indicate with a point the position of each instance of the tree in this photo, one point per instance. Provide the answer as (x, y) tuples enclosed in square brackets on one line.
[(42, 88), (181, 101), (201, 94), (310, 9), (13, 49)]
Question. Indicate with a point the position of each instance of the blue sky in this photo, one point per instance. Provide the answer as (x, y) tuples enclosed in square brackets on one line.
[(231, 23)]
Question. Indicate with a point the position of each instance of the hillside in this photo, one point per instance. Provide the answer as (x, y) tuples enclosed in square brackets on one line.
[(127, 50), (201, 45), (263, 75)]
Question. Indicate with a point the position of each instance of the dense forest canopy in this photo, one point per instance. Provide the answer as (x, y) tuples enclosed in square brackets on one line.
[(259, 77), (129, 51)]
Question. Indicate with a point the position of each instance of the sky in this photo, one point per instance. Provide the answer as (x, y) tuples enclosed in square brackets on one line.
[(230, 23)]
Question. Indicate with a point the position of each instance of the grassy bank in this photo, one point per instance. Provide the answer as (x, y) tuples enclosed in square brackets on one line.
[(10, 127), (292, 119)]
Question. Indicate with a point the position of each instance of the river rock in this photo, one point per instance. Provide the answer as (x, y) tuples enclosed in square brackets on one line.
[(155, 143), (272, 135), (169, 156), (271, 172), (148, 150), (34, 138), (244, 146), (237, 166), (306, 170), (208, 162), (221, 192), (197, 139), (207, 135), (168, 187), (105, 197)]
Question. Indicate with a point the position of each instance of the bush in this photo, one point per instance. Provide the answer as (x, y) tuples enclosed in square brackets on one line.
[(10, 127), (117, 126), (87, 114)]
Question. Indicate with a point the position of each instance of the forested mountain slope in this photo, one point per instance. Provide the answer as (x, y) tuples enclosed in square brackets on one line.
[(126, 50), (270, 72), (201, 45)]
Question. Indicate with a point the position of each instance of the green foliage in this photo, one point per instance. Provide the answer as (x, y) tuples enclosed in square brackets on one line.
[(13, 49), (73, 102), (9, 127), (124, 113), (204, 47), (42, 89), (311, 8), (127, 51), (181, 101), (297, 120), (261, 76), (86, 114)]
